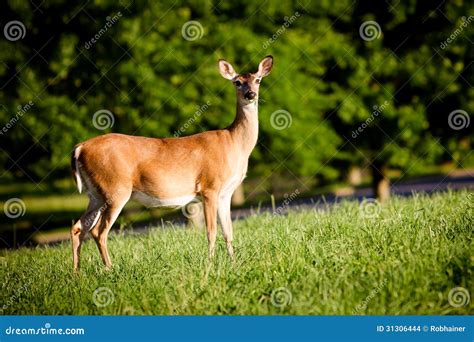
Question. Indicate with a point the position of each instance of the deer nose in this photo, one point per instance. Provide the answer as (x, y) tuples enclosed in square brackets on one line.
[(250, 95)]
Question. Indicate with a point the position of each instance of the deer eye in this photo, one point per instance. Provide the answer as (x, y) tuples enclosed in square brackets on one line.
[(238, 83), (258, 80)]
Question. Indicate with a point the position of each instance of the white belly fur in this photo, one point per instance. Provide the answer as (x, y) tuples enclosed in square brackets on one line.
[(151, 201)]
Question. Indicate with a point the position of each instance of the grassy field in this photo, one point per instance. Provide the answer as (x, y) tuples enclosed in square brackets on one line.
[(404, 257)]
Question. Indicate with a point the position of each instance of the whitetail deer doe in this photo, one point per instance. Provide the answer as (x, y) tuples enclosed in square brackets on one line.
[(114, 168)]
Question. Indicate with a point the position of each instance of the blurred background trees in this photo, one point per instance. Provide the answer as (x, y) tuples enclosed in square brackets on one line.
[(339, 97)]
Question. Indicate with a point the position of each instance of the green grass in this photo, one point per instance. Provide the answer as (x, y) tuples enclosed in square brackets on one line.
[(403, 260)]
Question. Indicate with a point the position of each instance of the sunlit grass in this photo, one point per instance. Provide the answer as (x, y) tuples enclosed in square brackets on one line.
[(404, 257)]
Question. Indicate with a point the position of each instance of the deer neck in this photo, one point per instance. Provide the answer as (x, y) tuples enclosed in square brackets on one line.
[(244, 129)]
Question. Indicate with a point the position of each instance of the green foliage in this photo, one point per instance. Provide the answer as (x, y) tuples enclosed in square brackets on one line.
[(153, 80), (404, 260)]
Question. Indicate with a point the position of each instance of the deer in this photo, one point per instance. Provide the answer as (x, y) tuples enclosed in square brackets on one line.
[(168, 172)]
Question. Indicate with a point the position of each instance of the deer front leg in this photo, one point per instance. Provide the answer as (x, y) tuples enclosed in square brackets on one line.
[(226, 223), (210, 200)]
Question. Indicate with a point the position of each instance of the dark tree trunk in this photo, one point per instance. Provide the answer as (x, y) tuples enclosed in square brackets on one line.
[(380, 182), (355, 176)]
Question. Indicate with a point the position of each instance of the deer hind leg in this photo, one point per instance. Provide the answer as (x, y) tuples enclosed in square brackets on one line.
[(82, 226), (112, 208), (210, 200), (226, 223)]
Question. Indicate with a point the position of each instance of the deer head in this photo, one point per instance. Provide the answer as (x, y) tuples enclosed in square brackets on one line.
[(247, 85)]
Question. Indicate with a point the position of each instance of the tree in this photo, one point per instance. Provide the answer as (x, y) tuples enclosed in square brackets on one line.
[(395, 77), (150, 69)]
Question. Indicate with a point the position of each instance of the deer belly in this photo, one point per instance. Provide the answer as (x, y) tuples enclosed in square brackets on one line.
[(152, 201)]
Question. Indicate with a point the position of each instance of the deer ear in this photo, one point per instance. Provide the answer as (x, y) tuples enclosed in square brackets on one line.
[(265, 66), (226, 69)]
